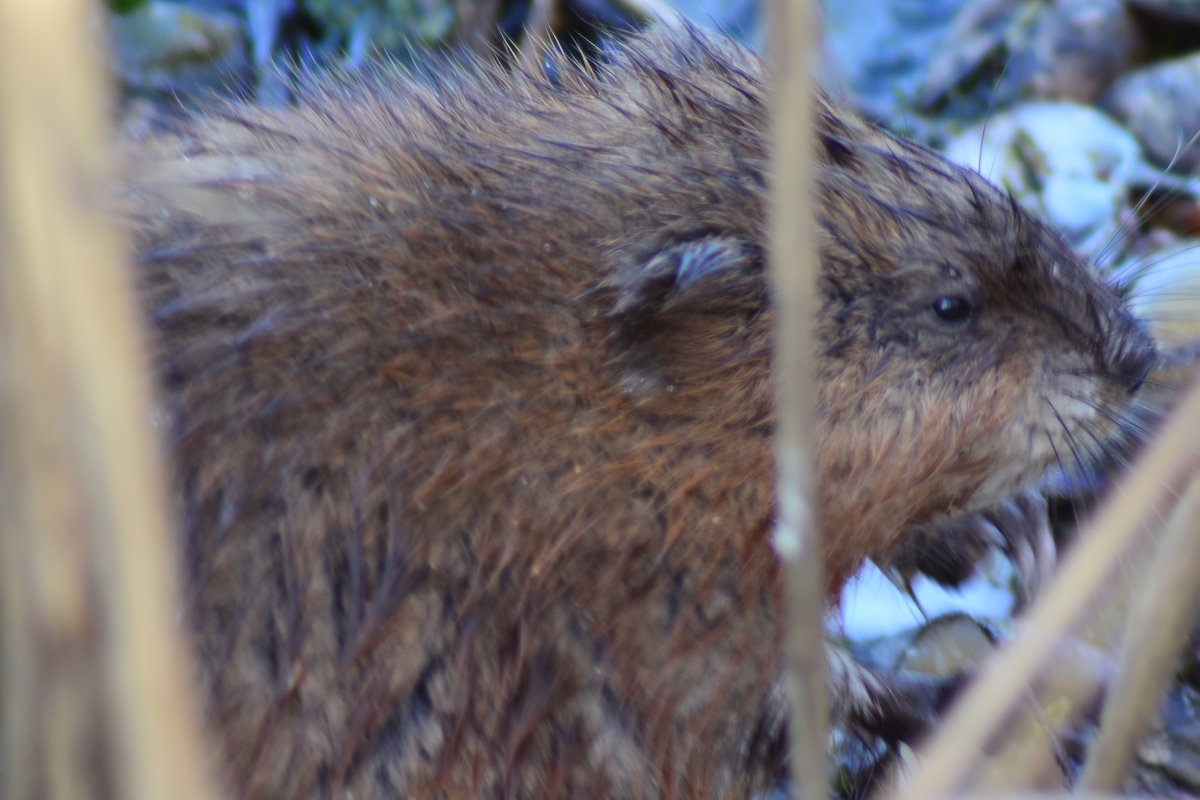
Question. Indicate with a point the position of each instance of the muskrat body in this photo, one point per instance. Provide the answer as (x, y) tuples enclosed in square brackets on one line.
[(467, 385)]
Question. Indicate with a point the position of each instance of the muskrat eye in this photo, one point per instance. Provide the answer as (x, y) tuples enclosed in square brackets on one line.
[(952, 308)]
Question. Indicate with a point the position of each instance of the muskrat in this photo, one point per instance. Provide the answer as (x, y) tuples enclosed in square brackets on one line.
[(466, 380)]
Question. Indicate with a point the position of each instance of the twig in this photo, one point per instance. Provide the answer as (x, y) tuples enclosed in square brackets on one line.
[(1155, 633), (85, 558), (1171, 461), (794, 271)]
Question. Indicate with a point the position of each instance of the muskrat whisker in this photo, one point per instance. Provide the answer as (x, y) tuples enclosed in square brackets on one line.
[(1149, 412), (987, 117), (1125, 427), (1128, 225), (1068, 439), (1074, 481), (1146, 264), (1062, 468), (1123, 233), (1110, 375), (1121, 377), (1104, 448), (1151, 382), (1090, 445), (1124, 423)]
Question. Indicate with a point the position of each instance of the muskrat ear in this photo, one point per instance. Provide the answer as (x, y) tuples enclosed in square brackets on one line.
[(713, 273)]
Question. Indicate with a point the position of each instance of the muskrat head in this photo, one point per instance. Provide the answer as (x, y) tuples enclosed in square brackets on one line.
[(964, 346), (967, 348)]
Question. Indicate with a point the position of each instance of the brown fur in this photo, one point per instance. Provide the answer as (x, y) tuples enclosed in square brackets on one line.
[(467, 384)]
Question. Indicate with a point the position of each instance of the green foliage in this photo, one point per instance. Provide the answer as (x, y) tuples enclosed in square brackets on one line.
[(125, 6)]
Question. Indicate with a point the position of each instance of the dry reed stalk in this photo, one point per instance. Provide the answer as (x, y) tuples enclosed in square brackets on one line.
[(96, 701), (1044, 796), (1171, 463), (1155, 634), (792, 234)]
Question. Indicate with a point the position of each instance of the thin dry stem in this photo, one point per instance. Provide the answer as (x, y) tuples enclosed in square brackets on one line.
[(1044, 796), (794, 270), (1171, 461), (1155, 633), (96, 697)]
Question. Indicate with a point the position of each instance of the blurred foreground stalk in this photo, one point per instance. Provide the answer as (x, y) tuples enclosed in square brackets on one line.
[(794, 297), (95, 699)]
